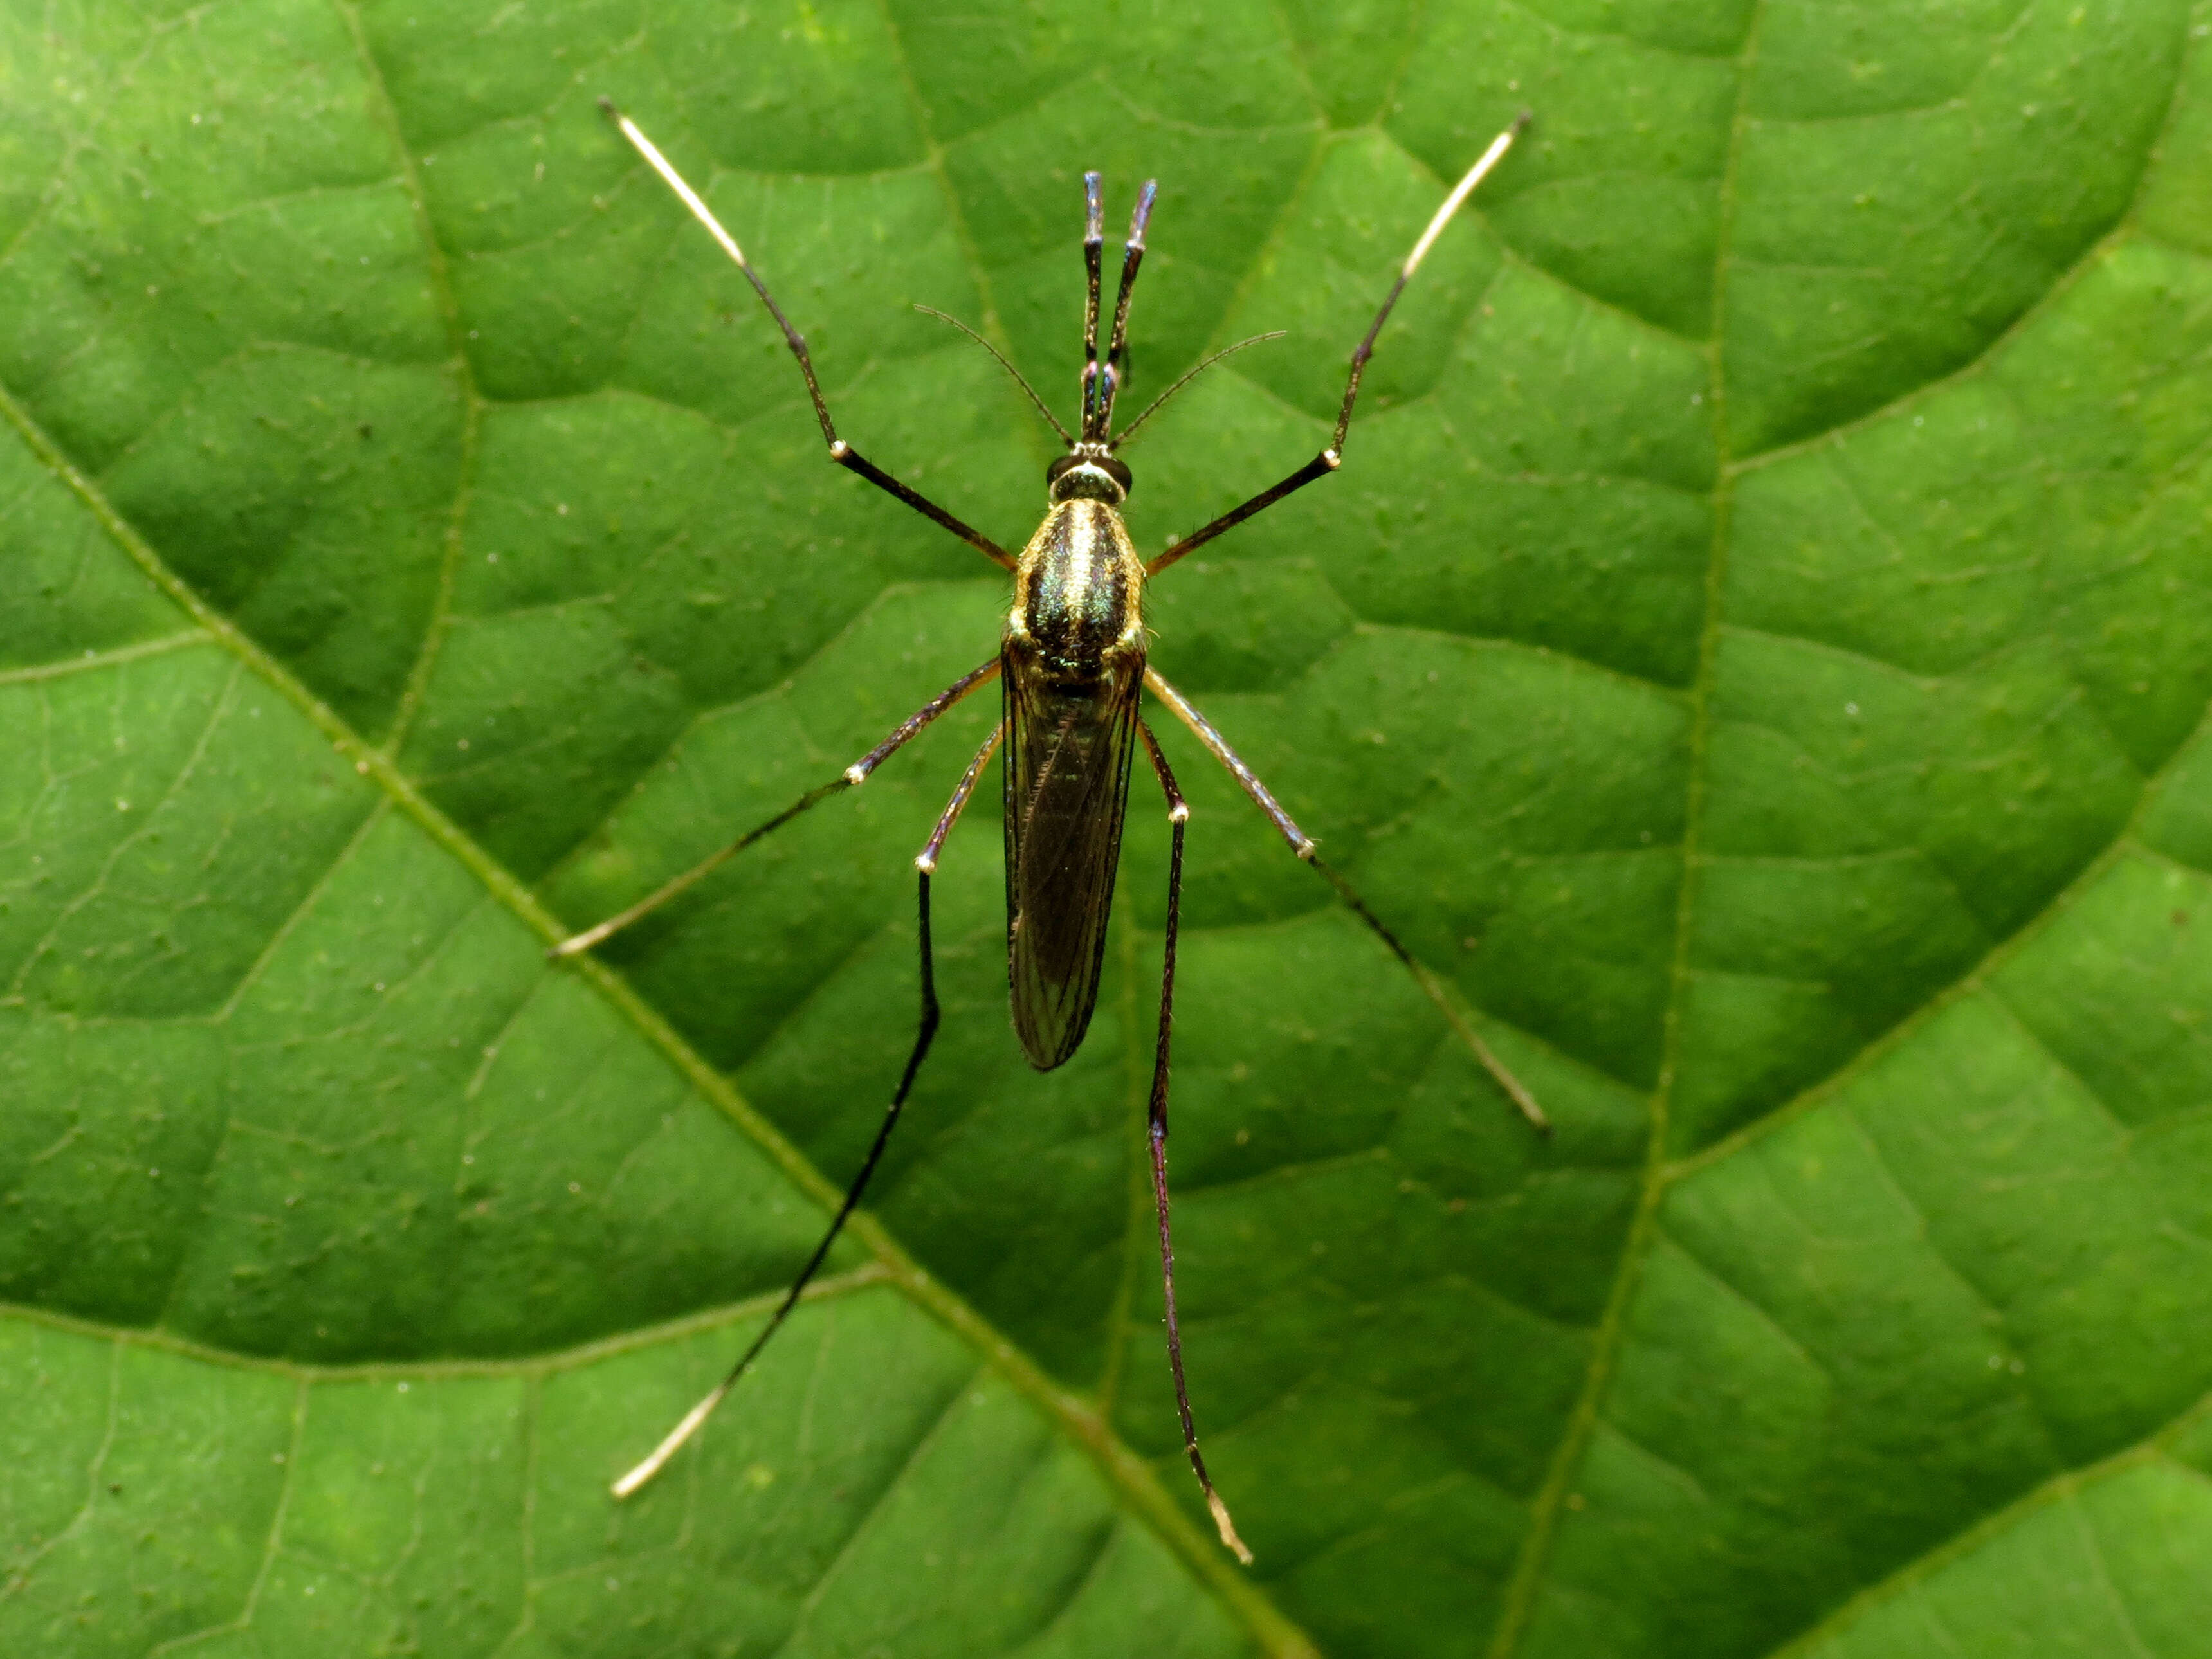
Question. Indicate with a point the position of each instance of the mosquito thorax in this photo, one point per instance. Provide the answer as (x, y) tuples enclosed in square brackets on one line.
[(1087, 472), (1079, 586)]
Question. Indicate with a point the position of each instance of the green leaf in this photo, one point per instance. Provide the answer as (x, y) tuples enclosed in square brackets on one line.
[(1756, 655)]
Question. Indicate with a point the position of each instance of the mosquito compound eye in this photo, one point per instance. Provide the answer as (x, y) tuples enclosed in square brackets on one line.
[(1058, 468), (1116, 471)]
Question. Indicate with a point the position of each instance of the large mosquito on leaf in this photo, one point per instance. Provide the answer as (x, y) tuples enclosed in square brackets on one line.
[(1071, 665)]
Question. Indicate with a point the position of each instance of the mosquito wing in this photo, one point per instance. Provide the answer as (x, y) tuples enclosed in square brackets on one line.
[(1068, 746)]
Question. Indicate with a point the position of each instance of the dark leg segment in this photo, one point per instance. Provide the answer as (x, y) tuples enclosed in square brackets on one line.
[(1157, 1133), (840, 451), (926, 860), (853, 776), (1332, 457), (924, 1035), (1303, 846)]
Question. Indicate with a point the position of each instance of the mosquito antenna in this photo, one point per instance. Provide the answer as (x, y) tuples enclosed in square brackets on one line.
[(1130, 431), (1051, 420), (1099, 390)]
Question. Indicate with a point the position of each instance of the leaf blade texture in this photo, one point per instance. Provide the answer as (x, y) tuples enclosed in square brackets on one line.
[(1756, 653)]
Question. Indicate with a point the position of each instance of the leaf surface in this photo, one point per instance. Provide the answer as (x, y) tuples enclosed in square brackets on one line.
[(1755, 654)]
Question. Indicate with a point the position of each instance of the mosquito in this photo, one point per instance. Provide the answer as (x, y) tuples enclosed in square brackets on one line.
[(1071, 665)]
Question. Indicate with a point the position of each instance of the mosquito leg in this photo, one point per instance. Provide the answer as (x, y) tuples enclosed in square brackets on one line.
[(840, 451), (925, 864), (926, 860), (1332, 458), (1218, 746), (852, 777), (1178, 815), (1303, 846)]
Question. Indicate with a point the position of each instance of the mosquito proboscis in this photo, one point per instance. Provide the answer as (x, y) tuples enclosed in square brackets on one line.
[(1072, 665)]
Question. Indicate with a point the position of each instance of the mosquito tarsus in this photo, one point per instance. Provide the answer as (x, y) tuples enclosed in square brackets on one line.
[(1071, 665)]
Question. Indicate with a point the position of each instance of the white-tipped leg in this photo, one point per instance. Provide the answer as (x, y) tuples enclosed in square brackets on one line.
[(924, 1034), (851, 778), (926, 860), (661, 165), (667, 1449), (1157, 1137), (1227, 1528), (576, 944), (1303, 846), (840, 451), (1332, 457), (1461, 191)]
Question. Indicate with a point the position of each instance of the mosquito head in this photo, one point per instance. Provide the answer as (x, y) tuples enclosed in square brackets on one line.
[(1087, 472)]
